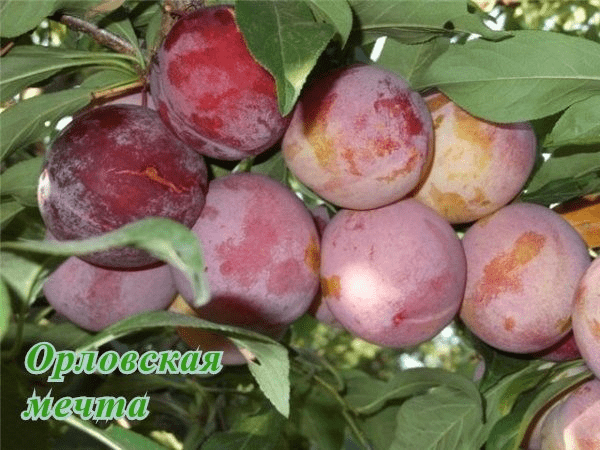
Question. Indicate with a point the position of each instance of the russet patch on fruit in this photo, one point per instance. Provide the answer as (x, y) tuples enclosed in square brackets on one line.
[(523, 265)]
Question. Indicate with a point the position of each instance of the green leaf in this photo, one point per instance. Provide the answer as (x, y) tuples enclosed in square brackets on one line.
[(18, 17), (336, 12), (274, 167), (5, 309), (579, 125), (319, 417), (442, 419), (286, 40), (417, 21), (565, 165), (509, 432), (121, 26), (29, 64), (9, 211), (153, 30), (168, 240), (538, 73), (259, 432), (63, 335), (406, 384), (272, 372), (410, 61), (115, 437), (21, 180), (380, 428), (26, 273), (26, 121)]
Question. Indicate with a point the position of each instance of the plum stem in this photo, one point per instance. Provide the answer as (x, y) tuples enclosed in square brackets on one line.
[(100, 35)]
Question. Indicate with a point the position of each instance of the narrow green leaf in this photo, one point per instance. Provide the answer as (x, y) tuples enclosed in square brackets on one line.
[(8, 211), (5, 309), (286, 40), (538, 73), (18, 17), (20, 181), (568, 167), (508, 433), (406, 384), (167, 240), (410, 61), (579, 125), (558, 191), (121, 26), (29, 64), (336, 12), (272, 372), (442, 419), (26, 121), (417, 21), (115, 437)]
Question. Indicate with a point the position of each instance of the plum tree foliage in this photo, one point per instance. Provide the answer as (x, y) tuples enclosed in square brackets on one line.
[(318, 387)]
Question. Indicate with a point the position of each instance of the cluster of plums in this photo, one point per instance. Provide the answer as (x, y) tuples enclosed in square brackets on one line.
[(401, 169)]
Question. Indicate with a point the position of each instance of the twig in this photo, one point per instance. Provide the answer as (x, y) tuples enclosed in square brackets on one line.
[(7, 48), (101, 36)]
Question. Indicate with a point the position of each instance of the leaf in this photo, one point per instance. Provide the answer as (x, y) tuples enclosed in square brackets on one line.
[(9, 211), (579, 125), (380, 428), (417, 21), (272, 372), (538, 73), (168, 240), (510, 431), (558, 191), (274, 167), (18, 17), (20, 181), (409, 383), (29, 64), (411, 61), (338, 13), (63, 335), (121, 26), (5, 309), (286, 41), (442, 419), (571, 166), (115, 437), (319, 418)]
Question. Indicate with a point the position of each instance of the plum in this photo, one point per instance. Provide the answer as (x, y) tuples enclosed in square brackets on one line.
[(478, 166), (114, 165), (94, 298), (211, 91), (586, 317), (261, 249), (523, 265), (393, 276), (359, 137), (207, 341), (564, 350), (574, 423)]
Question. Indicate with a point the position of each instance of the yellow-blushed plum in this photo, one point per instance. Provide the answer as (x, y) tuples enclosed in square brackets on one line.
[(478, 166), (359, 137)]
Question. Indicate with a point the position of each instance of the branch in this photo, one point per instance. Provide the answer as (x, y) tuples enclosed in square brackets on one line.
[(101, 36)]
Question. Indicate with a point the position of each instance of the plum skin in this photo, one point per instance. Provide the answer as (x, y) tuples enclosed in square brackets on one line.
[(114, 165), (359, 137), (393, 276), (574, 422), (261, 249), (94, 298), (211, 91), (478, 166), (523, 265), (586, 317)]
